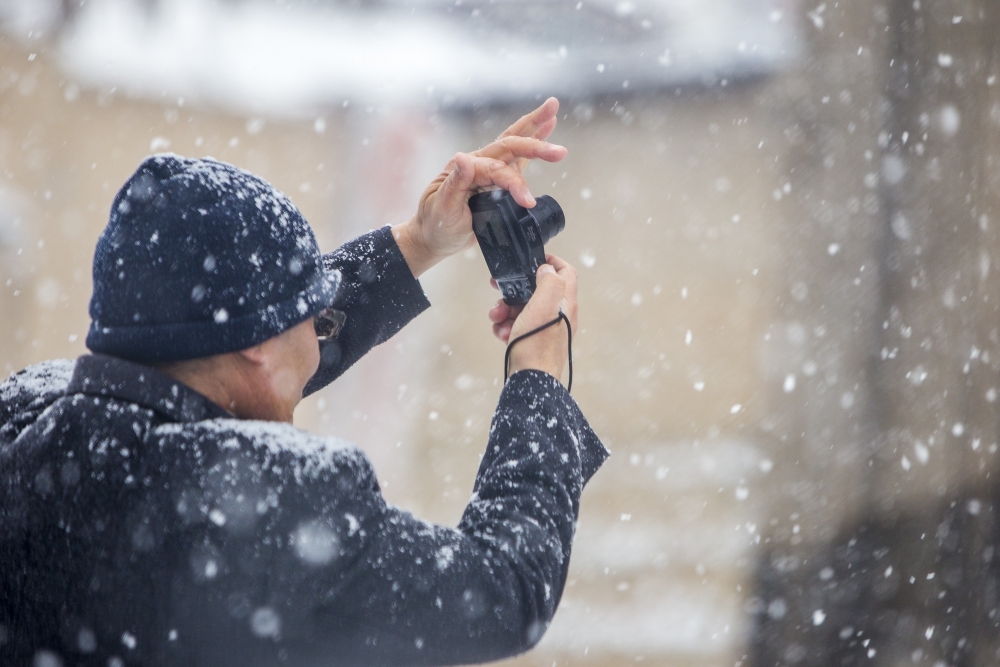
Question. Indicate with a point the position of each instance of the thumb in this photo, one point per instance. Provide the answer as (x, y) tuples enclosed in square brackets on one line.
[(543, 307), (454, 191)]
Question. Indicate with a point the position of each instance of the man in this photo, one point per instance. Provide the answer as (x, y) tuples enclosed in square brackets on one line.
[(158, 508)]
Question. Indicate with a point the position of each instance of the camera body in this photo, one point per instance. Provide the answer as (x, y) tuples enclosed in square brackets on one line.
[(513, 239)]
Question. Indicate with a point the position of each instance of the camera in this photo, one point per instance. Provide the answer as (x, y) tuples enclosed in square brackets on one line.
[(512, 239)]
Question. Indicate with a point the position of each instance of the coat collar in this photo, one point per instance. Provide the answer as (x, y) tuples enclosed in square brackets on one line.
[(103, 375)]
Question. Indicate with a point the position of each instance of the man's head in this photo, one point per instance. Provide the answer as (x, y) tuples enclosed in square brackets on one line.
[(201, 260)]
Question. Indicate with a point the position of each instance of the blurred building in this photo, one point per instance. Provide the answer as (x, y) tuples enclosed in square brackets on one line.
[(782, 218)]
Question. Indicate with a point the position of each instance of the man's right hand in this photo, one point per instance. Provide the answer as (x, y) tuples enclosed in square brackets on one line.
[(442, 225), (546, 350)]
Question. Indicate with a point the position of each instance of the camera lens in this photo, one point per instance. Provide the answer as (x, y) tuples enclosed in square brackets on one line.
[(549, 216)]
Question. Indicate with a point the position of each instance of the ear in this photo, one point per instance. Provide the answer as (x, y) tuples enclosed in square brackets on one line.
[(256, 355)]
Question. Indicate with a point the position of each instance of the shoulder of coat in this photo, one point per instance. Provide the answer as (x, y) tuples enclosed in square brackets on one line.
[(45, 378), (271, 440)]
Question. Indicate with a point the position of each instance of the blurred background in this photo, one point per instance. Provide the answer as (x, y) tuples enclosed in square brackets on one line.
[(784, 217)]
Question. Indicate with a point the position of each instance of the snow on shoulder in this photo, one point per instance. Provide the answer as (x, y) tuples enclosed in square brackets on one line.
[(47, 378), (309, 455)]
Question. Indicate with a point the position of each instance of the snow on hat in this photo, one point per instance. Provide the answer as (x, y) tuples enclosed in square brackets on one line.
[(201, 258)]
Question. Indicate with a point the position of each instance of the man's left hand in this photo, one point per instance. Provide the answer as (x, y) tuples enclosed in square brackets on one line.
[(442, 225)]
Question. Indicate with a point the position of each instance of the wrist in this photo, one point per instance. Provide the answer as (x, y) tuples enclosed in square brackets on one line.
[(527, 363), (542, 368), (418, 257)]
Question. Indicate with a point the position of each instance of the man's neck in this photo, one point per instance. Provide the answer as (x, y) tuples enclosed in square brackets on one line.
[(237, 386)]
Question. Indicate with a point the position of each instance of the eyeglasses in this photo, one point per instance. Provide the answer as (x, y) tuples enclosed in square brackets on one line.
[(328, 323)]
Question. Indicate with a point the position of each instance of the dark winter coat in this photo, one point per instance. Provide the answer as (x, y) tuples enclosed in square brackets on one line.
[(141, 525)]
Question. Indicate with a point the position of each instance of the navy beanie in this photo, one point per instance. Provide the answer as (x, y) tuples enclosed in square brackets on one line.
[(201, 258)]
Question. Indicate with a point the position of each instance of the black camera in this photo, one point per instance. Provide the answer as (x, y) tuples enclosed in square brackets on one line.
[(512, 239)]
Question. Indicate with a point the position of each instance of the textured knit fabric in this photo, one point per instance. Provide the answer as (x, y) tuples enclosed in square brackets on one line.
[(200, 258), (139, 523), (377, 288)]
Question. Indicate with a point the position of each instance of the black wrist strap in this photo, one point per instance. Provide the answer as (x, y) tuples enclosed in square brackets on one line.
[(569, 346)]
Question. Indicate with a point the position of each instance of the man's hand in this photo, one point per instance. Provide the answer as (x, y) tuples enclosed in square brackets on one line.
[(545, 350), (442, 225)]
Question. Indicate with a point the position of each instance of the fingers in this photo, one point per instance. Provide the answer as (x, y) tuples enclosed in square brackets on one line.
[(547, 350), (454, 192), (535, 126), (566, 270), (502, 331), (501, 312), (491, 172), (545, 130), (532, 124), (518, 151), (545, 302), (568, 273), (549, 291), (510, 149), (502, 315), (557, 263)]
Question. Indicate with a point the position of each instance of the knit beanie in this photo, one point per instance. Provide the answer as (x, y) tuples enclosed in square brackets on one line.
[(201, 258)]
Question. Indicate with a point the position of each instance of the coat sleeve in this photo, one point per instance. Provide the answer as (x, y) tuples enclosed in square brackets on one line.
[(379, 295), (420, 594)]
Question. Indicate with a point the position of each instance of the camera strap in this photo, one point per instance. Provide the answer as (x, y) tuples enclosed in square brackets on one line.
[(569, 346)]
